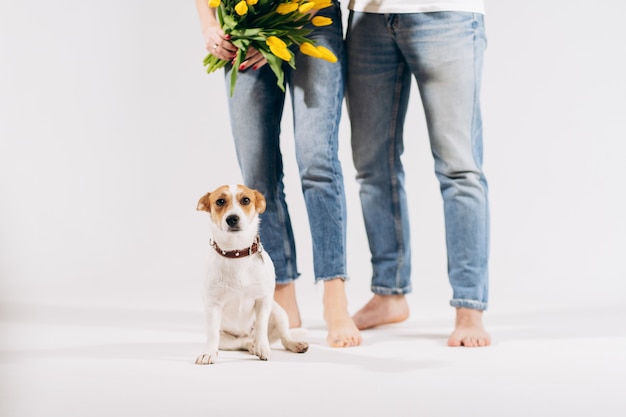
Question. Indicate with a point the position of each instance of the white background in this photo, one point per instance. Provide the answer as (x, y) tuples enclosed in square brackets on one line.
[(110, 131)]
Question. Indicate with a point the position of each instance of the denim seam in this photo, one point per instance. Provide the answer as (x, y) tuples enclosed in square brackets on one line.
[(394, 179), (475, 106)]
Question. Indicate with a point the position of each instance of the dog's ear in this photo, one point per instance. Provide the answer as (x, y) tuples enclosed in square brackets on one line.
[(260, 202), (204, 204)]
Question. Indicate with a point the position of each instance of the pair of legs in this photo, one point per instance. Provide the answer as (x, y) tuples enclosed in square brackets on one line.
[(443, 51), (256, 108)]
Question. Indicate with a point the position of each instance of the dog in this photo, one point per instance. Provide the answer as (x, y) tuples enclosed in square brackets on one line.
[(239, 292)]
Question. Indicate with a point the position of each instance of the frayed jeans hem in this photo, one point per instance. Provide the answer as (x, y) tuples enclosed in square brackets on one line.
[(286, 281), (471, 304), (338, 276), (391, 291)]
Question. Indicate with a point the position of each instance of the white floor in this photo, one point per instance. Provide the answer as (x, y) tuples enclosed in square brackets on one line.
[(95, 361)]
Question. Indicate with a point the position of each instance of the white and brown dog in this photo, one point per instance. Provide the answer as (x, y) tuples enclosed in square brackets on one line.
[(239, 294)]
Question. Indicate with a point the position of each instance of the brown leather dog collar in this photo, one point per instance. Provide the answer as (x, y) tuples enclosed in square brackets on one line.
[(239, 253)]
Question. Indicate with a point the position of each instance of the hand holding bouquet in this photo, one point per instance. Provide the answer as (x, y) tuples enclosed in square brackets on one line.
[(271, 27)]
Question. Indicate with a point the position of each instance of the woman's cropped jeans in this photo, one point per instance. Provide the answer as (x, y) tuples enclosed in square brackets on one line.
[(256, 108), (444, 52)]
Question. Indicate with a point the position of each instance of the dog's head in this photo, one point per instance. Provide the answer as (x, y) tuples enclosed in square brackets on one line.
[(233, 208)]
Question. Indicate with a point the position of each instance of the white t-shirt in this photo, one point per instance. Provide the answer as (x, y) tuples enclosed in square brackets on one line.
[(416, 6)]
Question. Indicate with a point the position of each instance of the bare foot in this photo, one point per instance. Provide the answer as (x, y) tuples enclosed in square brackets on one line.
[(342, 332), (382, 309), (469, 330), (285, 296)]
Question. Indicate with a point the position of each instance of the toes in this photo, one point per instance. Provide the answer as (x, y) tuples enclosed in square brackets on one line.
[(344, 342), (454, 342), (336, 343)]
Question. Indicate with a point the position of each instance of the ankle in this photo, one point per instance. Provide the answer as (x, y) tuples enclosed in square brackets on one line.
[(335, 299), (468, 316), (285, 296)]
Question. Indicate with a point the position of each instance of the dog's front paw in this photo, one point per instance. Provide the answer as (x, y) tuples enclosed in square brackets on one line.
[(206, 358), (262, 350)]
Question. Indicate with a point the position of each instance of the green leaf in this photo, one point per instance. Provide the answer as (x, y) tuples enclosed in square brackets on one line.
[(246, 33), (220, 14), (301, 39), (241, 44), (276, 64), (229, 23), (241, 55)]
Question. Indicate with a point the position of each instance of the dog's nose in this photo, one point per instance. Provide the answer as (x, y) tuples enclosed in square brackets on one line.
[(232, 221)]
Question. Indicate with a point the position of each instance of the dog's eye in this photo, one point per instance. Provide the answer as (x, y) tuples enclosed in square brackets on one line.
[(220, 202), (245, 201)]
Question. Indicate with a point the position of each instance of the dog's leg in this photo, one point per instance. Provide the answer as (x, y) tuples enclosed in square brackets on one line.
[(209, 355), (232, 342), (279, 329), (261, 346)]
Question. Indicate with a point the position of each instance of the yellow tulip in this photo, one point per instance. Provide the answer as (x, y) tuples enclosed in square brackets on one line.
[(278, 48), (306, 6), (241, 8), (252, 2), (286, 8), (309, 49), (327, 55), (276, 42), (282, 53), (321, 21), (214, 4), (322, 4)]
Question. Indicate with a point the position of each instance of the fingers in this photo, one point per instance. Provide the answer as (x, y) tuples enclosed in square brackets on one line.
[(221, 48), (254, 59), (218, 44)]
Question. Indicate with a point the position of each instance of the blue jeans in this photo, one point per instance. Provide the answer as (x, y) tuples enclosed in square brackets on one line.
[(256, 108), (444, 52)]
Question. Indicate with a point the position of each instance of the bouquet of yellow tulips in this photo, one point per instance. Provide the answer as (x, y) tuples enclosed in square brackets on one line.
[(270, 26)]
